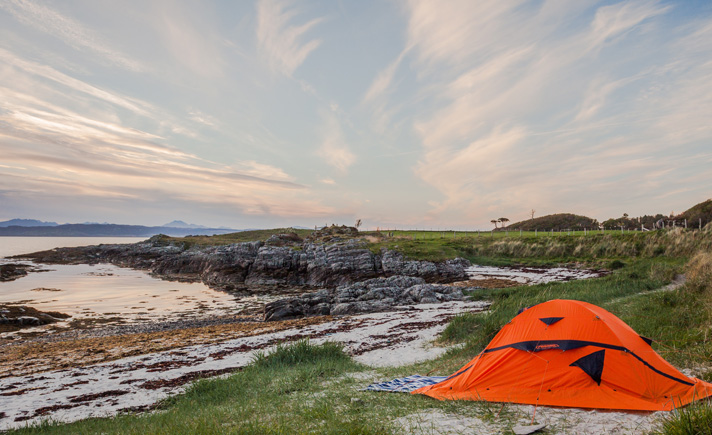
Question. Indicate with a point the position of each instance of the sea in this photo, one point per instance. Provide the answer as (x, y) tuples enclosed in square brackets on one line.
[(107, 294)]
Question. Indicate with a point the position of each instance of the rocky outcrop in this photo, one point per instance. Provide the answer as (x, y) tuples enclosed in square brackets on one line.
[(282, 261), (393, 262), (10, 272), (378, 294), (16, 317)]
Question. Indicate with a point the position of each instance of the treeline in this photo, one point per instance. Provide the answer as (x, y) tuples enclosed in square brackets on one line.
[(695, 217), (556, 222)]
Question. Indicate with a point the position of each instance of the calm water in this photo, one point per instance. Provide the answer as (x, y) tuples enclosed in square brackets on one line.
[(25, 245), (102, 291)]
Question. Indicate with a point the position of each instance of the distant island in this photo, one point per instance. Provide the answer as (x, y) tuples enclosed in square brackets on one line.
[(37, 228)]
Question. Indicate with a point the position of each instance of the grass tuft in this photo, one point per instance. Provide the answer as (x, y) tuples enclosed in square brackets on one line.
[(300, 352), (695, 419)]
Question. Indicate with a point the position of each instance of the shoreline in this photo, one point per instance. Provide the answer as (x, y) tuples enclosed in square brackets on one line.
[(101, 376)]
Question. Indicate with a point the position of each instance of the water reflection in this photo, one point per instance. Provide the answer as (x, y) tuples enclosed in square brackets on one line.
[(103, 291)]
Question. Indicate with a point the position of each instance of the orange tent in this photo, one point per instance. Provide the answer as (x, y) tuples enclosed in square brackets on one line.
[(574, 354)]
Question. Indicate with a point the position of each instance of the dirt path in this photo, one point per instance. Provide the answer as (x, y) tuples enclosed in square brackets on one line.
[(676, 283)]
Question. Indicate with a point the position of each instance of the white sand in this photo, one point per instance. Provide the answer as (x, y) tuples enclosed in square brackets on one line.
[(557, 421), (379, 339), (529, 275)]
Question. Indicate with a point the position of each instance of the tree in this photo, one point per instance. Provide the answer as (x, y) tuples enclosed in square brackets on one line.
[(358, 224), (504, 221), (532, 213), (494, 221)]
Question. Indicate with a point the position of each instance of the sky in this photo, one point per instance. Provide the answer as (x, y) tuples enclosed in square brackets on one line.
[(404, 114)]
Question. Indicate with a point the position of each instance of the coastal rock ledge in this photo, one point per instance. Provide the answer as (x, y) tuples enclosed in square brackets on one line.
[(377, 294), (284, 261)]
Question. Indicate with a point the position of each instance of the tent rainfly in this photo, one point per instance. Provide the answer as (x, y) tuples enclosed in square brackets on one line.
[(572, 354)]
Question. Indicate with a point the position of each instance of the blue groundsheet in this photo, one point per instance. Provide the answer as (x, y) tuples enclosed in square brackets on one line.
[(407, 384)]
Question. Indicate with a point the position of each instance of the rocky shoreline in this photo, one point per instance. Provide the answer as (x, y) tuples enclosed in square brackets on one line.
[(373, 295), (349, 277), (282, 261), (13, 271), (16, 317)]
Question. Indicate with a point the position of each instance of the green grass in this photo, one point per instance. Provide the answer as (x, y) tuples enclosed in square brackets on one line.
[(503, 247), (296, 389), (301, 388), (226, 239), (695, 419), (593, 248), (279, 393), (632, 284)]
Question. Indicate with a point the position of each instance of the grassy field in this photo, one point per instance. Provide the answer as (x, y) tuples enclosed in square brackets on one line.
[(315, 389), (226, 239), (560, 248)]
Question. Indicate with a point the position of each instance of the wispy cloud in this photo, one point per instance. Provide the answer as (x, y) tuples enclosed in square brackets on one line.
[(513, 88), (50, 150), (334, 150), (283, 44), (69, 30), (49, 73), (191, 41), (383, 80)]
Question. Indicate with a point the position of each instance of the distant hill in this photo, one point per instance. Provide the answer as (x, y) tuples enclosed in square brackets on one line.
[(107, 230), (27, 223), (701, 211), (556, 222), (181, 224)]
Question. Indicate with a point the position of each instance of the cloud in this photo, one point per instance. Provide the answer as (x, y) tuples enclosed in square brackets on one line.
[(617, 19), (50, 151), (190, 39), (383, 80), (282, 43), (451, 171), (522, 101), (328, 181), (38, 70), (203, 118), (334, 150), (68, 30), (595, 98)]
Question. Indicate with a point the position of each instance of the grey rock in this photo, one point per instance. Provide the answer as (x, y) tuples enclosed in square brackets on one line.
[(283, 261), (344, 308), (28, 320), (373, 295), (12, 271)]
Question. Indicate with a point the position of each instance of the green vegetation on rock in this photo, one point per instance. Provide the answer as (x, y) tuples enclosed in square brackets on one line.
[(556, 222)]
